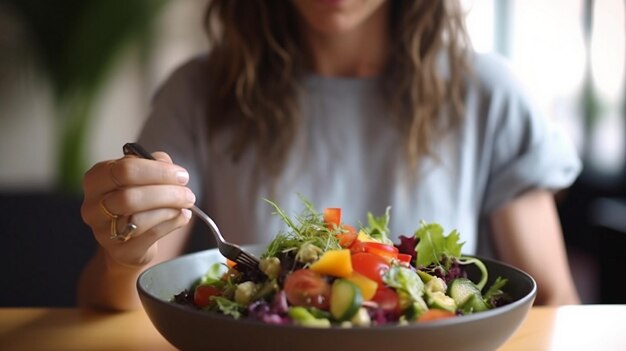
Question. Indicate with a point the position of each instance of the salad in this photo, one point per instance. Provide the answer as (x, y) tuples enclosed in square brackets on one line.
[(322, 272)]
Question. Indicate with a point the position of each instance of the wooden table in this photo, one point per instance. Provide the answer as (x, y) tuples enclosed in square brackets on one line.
[(567, 328)]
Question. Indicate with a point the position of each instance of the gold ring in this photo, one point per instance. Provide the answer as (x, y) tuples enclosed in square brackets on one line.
[(106, 210), (125, 235)]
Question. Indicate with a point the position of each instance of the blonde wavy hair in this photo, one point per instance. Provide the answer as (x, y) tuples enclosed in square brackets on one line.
[(256, 60)]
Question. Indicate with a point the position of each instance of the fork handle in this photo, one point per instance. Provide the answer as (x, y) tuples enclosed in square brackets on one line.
[(137, 150)]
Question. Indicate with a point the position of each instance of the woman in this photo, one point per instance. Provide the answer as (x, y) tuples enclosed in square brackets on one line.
[(353, 104)]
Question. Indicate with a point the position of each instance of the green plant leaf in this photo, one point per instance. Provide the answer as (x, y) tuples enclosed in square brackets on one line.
[(78, 44)]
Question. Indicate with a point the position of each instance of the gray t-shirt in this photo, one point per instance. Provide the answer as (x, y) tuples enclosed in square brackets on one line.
[(349, 154)]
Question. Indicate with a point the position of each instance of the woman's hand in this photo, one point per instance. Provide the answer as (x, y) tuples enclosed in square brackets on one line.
[(150, 194)]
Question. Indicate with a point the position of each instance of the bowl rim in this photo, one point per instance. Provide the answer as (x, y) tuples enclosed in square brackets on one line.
[(519, 303)]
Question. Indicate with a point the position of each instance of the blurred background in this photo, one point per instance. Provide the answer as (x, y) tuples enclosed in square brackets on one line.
[(76, 78)]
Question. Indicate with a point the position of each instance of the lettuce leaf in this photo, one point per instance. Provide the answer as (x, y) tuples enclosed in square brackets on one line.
[(214, 274), (433, 244), (228, 307), (406, 282), (402, 278)]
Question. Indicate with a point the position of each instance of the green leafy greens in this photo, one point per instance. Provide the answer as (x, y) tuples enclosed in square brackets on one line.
[(433, 244), (435, 248)]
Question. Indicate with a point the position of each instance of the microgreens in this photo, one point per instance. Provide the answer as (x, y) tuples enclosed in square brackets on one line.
[(307, 227)]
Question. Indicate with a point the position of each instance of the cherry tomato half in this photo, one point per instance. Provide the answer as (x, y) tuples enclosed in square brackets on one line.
[(357, 246), (405, 258), (332, 217), (202, 295), (347, 236), (370, 265), (387, 299), (307, 288)]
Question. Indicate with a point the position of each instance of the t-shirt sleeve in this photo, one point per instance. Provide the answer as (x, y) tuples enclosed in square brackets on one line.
[(175, 125), (528, 150)]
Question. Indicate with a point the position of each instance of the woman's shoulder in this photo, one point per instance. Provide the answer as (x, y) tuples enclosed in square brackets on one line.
[(192, 67), (188, 78), (494, 73)]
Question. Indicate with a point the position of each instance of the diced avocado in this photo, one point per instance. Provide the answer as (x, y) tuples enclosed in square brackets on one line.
[(345, 299), (244, 292), (435, 284), (435, 290), (308, 253), (441, 301), (425, 276), (361, 318), (270, 266)]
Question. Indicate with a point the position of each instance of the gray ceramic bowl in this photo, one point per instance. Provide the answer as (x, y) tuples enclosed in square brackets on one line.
[(190, 329)]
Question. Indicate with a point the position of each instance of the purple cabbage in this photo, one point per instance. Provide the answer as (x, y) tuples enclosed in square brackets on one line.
[(274, 313)]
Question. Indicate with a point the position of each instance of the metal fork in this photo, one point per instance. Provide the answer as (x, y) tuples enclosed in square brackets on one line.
[(229, 250)]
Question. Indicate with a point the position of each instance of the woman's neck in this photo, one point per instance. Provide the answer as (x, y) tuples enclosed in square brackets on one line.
[(359, 52)]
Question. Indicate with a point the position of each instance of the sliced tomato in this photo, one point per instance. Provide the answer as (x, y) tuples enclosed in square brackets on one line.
[(307, 288), (332, 217), (434, 314), (387, 252), (387, 299), (202, 295), (405, 258), (356, 246), (347, 236), (370, 265)]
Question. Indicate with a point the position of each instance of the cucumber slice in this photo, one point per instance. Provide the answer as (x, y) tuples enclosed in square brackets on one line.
[(474, 304), (345, 300), (301, 316), (462, 289)]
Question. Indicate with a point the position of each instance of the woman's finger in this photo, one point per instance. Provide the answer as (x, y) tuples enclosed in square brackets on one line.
[(135, 250), (162, 156), (128, 201), (146, 221), (129, 171)]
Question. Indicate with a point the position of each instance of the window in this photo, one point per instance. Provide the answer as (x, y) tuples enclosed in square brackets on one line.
[(570, 56)]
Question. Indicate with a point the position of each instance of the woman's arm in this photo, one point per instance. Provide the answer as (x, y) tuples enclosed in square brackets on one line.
[(107, 284), (528, 235)]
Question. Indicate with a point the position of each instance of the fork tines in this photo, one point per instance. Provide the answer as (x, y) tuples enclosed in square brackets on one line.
[(247, 260), (239, 256)]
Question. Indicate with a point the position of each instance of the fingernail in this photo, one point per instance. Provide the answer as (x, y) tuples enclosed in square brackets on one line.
[(186, 213), (182, 177), (190, 196)]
